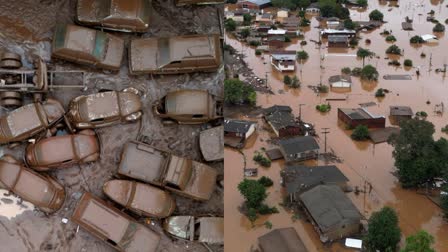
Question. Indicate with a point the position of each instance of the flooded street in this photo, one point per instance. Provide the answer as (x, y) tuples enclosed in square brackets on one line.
[(362, 161)]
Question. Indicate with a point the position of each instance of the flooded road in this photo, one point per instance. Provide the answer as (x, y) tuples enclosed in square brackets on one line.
[(363, 162)]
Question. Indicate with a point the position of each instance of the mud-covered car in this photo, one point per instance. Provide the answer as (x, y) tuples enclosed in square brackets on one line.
[(105, 108), (203, 229), (140, 198), (188, 107), (113, 227), (42, 191), (183, 54), (117, 15), (211, 143), (185, 2), (63, 151), (177, 174), (88, 47), (29, 120)]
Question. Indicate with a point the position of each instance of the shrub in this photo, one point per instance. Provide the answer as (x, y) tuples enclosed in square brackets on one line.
[(323, 107), (303, 42), (356, 71), (445, 129), (265, 181), (254, 43), (369, 72), (287, 80), (438, 28), (360, 133), (302, 55), (304, 22), (230, 25), (353, 42), (380, 93), (349, 24), (391, 38), (394, 63), (287, 39), (265, 209), (446, 21), (245, 32), (393, 49), (295, 83), (258, 52), (416, 40), (385, 32), (407, 62), (252, 214), (322, 88), (376, 15), (262, 160), (346, 70), (268, 224), (421, 115)]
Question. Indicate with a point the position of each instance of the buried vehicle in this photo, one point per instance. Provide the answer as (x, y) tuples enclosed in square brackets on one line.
[(112, 226), (105, 108), (42, 191), (188, 107), (140, 198), (203, 229), (63, 151), (183, 54), (178, 174), (117, 15), (30, 120), (88, 47)]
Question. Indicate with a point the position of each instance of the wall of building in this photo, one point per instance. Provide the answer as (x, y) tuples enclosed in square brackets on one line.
[(370, 123), (247, 5), (289, 131)]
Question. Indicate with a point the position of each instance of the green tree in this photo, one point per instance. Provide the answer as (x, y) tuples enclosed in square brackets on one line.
[(383, 231), (253, 192), (287, 80), (237, 92), (438, 28), (376, 15), (231, 1), (380, 93), (302, 4), (245, 32), (360, 133), (330, 8), (416, 40), (363, 53), (391, 38), (369, 72), (289, 4), (444, 201), (265, 181), (349, 24), (418, 158), (295, 83), (302, 55), (362, 3), (230, 25), (419, 242), (393, 49), (407, 62), (247, 18)]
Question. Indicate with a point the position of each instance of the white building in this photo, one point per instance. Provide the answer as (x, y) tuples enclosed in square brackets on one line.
[(340, 81), (282, 14), (276, 32), (284, 61)]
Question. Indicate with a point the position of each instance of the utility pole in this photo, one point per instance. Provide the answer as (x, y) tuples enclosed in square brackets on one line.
[(325, 132), (266, 78), (300, 112)]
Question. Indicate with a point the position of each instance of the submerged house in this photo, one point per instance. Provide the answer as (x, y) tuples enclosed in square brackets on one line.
[(281, 120), (338, 41), (236, 132), (360, 116), (340, 81), (291, 24), (299, 178), (299, 148), (328, 32), (331, 212), (284, 60), (281, 240), (400, 113)]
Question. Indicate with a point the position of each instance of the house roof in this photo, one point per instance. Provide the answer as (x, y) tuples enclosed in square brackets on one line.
[(298, 144), (281, 240), (281, 119), (406, 26), (337, 39), (291, 21), (357, 113), (338, 78), (259, 2), (329, 207), (284, 55), (237, 126), (314, 5), (401, 111), (334, 31), (299, 178), (277, 32), (274, 108)]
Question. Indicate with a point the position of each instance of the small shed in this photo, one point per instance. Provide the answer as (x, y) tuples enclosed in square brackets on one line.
[(281, 120), (238, 128), (281, 240), (337, 41), (282, 13), (299, 178), (332, 213), (401, 113), (360, 116), (340, 81), (407, 26), (299, 148)]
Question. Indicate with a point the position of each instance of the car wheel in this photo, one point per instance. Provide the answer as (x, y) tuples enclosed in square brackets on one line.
[(11, 61), (168, 122)]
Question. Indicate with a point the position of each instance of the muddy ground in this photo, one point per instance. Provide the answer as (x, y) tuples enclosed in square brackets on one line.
[(26, 28)]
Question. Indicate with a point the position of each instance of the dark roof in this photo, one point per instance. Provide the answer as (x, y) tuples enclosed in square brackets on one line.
[(237, 126), (338, 78), (329, 207), (338, 39), (400, 111), (299, 178), (406, 26), (260, 2), (332, 19), (277, 38), (356, 114), (281, 119), (298, 144), (314, 5), (274, 108), (281, 240)]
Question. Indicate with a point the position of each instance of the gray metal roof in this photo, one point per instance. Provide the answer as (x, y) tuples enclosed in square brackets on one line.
[(338, 39), (338, 78), (298, 144), (355, 114), (329, 207), (401, 111), (299, 178), (260, 2), (237, 126), (281, 240)]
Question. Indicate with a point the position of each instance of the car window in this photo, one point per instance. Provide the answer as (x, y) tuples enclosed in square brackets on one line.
[(163, 54), (59, 37), (103, 9), (101, 43), (198, 116)]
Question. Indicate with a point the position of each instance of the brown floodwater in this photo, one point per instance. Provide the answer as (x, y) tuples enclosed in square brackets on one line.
[(362, 161)]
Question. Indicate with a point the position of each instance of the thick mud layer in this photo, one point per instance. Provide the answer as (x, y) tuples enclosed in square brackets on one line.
[(26, 28), (362, 162)]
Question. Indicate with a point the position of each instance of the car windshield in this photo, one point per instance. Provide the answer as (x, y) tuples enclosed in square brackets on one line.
[(101, 43), (163, 54), (59, 37)]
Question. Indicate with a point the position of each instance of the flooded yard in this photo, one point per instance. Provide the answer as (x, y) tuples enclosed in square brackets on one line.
[(363, 163)]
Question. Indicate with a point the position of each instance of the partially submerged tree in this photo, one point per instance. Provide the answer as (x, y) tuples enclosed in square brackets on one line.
[(253, 192), (391, 38), (362, 3), (360, 133), (416, 40), (302, 55), (376, 15), (438, 28), (237, 92), (287, 80), (422, 241), (393, 49), (363, 53), (369, 72), (383, 231), (349, 24), (230, 25), (407, 62), (245, 32)]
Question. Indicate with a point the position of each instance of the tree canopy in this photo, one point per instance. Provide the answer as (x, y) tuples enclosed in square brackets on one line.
[(363, 53), (418, 157), (360, 133), (237, 92), (419, 242), (369, 72), (253, 192), (331, 8), (376, 15), (383, 231), (230, 24)]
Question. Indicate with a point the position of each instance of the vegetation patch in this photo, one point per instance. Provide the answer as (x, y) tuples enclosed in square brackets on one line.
[(393, 49), (262, 160), (360, 133), (323, 107), (237, 92)]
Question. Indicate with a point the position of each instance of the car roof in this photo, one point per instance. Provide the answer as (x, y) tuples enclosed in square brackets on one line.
[(211, 230), (125, 8), (187, 102), (54, 149), (33, 187), (185, 47), (23, 119), (101, 105), (80, 39)]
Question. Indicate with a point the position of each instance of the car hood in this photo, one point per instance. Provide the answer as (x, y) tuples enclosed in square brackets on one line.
[(129, 103), (140, 238), (88, 11), (114, 52), (202, 181), (144, 55), (50, 151)]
